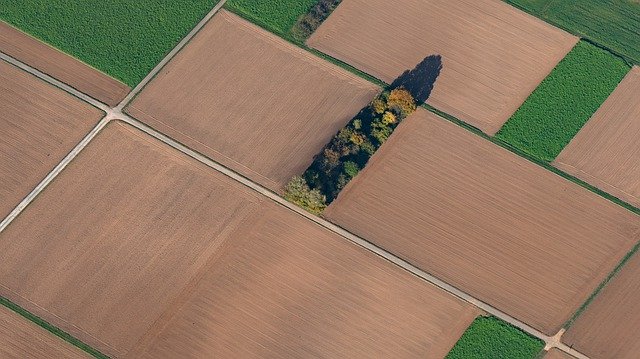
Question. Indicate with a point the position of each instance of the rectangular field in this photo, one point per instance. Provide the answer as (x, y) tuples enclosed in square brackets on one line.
[(608, 328), (612, 23), (486, 221), (20, 338), (493, 55), (61, 66), (136, 250), (39, 125), (250, 100), (490, 337), (564, 101), (606, 151), (287, 288), (122, 38)]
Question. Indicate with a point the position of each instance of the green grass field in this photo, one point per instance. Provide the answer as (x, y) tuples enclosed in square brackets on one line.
[(277, 16), (612, 23), (564, 101), (122, 38), (491, 338)]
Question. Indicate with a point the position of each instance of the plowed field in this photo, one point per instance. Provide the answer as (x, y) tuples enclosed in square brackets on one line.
[(493, 55), (606, 151), (251, 100), (486, 220)]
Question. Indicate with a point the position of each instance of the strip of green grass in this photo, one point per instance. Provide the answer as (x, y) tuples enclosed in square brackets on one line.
[(122, 38), (612, 23), (277, 16), (564, 101), (54, 330), (491, 338)]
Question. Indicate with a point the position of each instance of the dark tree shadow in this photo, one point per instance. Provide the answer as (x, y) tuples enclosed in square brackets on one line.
[(421, 79)]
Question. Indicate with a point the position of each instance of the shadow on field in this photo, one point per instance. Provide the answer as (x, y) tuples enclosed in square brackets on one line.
[(419, 81)]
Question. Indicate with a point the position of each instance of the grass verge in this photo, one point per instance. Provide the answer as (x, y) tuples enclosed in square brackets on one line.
[(124, 39), (564, 101), (54, 330), (614, 24), (492, 338)]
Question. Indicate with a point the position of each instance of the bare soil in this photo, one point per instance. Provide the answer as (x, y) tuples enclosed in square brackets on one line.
[(606, 151), (608, 328), (138, 250), (39, 125), (20, 338), (556, 353), (61, 66), (251, 100), (486, 220), (493, 55), (286, 288)]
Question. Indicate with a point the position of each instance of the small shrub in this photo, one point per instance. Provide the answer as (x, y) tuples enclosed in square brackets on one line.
[(380, 132), (389, 118), (297, 191), (378, 105), (357, 124), (351, 169)]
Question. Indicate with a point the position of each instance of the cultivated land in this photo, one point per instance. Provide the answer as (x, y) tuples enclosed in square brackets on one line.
[(61, 66), (277, 16), (182, 261), (39, 125), (486, 221), (608, 328), (493, 55), (612, 23), (557, 354), (123, 38), (564, 101), (287, 288), (251, 100), (606, 151), (114, 239), (489, 337), (20, 338)]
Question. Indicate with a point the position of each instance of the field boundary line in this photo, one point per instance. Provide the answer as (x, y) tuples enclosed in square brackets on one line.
[(550, 341), (134, 92), (56, 170)]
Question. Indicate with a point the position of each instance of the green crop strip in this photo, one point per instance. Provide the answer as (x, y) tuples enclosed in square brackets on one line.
[(564, 101), (122, 38), (492, 338), (54, 330), (277, 16), (614, 24)]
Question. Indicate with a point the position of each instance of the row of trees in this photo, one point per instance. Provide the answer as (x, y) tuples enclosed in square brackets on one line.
[(349, 150), (309, 22)]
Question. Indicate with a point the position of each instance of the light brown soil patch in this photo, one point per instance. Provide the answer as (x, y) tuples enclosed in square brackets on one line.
[(493, 55), (555, 353), (486, 220), (20, 338), (608, 328), (251, 100), (109, 245), (287, 288), (39, 125), (606, 151), (137, 249), (61, 66)]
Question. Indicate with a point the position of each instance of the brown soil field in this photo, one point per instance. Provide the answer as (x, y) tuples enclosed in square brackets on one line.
[(606, 151), (493, 55), (250, 100), (557, 354), (608, 328), (20, 338), (137, 249), (287, 288), (39, 125), (61, 66), (485, 220)]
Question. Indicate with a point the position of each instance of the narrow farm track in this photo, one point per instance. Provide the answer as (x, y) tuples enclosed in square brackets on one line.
[(116, 113)]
